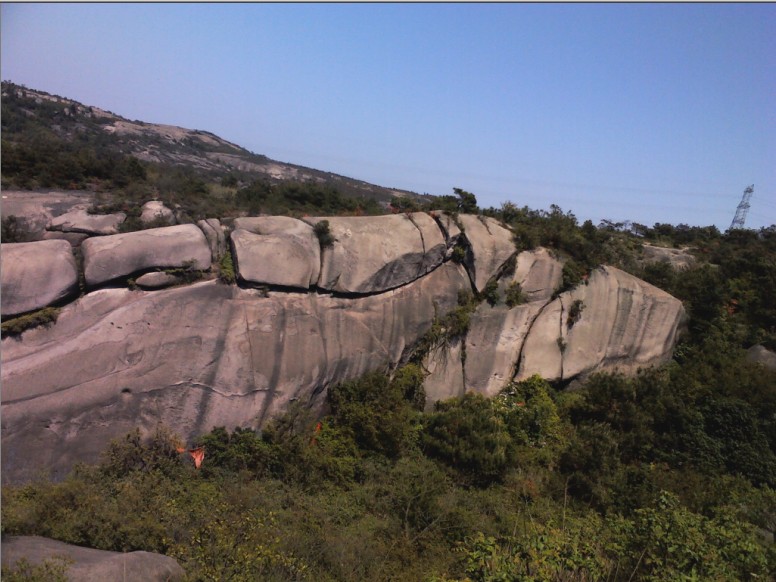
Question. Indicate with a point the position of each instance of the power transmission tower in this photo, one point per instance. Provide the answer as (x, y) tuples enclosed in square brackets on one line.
[(743, 208)]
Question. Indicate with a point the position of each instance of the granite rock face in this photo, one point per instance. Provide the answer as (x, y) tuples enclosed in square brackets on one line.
[(207, 354), (195, 357), (276, 250), (90, 564), (613, 322), (35, 275), (679, 259), (372, 254), (622, 323), (92, 224), (110, 257), (490, 247)]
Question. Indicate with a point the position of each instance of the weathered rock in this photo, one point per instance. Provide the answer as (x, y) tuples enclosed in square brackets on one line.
[(35, 210), (761, 355), (110, 257), (155, 211), (449, 228), (624, 324), (372, 254), (35, 275), (156, 280), (216, 238), (277, 250), (273, 259), (74, 238), (679, 259), (496, 334), (82, 221), (194, 357), (491, 247), (90, 564)]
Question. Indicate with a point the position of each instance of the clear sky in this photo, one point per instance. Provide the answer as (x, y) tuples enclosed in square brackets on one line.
[(643, 112)]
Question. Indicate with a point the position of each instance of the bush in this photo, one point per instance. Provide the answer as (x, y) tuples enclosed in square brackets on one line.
[(323, 232), (226, 269), (17, 325), (575, 312), (514, 295)]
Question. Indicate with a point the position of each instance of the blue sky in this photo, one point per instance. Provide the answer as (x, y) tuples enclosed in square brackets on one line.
[(647, 112)]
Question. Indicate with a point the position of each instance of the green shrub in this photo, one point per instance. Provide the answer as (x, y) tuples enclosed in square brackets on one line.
[(514, 295), (226, 269), (323, 232), (490, 293), (50, 570), (575, 312), (17, 325)]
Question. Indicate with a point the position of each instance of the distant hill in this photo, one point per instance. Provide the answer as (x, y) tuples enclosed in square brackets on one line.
[(31, 116)]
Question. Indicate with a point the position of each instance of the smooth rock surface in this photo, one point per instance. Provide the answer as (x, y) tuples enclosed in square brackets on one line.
[(93, 224), (157, 280), (372, 254), (35, 275), (491, 247), (624, 324), (216, 238), (110, 257), (87, 564), (496, 334), (155, 211), (274, 259), (194, 357), (279, 248)]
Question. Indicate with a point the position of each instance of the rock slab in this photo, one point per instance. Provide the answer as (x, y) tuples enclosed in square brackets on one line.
[(90, 564), (110, 257), (92, 224), (372, 254), (276, 250), (490, 247), (35, 275)]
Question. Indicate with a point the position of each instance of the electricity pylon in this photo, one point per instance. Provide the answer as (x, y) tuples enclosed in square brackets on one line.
[(743, 208)]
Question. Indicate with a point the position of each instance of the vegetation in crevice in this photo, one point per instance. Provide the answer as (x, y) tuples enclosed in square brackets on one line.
[(16, 325)]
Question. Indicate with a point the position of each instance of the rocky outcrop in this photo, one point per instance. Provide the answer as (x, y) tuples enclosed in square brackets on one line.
[(91, 224), (36, 274), (110, 257), (276, 250), (154, 211), (207, 354), (195, 357), (90, 564), (490, 247), (613, 322), (74, 238), (372, 254), (679, 259)]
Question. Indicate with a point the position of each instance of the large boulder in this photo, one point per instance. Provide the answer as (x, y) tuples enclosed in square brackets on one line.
[(110, 257), (35, 275), (371, 254), (195, 357), (93, 224), (155, 212), (74, 238), (761, 355), (613, 322), (490, 247), (89, 564), (276, 250)]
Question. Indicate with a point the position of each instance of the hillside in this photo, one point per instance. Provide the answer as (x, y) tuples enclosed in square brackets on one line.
[(35, 119)]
